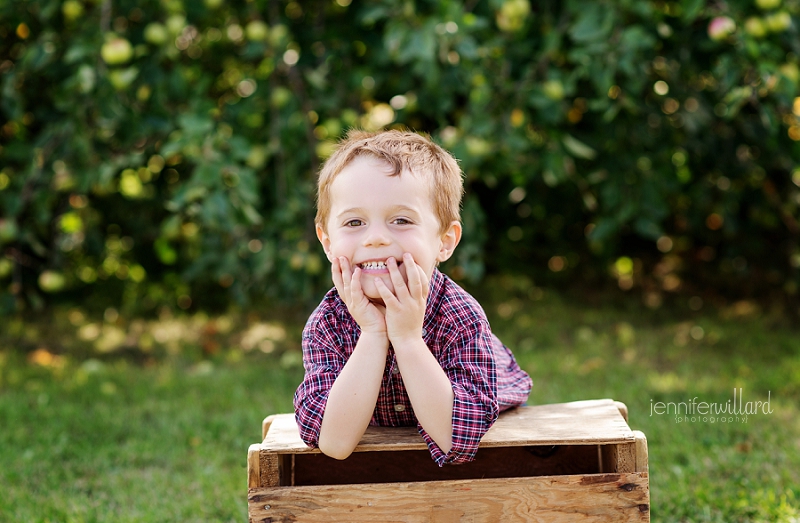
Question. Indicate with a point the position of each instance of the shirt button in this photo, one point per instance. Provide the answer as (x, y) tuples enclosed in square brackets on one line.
[(395, 370), (399, 408), (424, 332)]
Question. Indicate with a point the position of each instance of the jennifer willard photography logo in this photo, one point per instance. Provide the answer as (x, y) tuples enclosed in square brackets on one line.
[(732, 411)]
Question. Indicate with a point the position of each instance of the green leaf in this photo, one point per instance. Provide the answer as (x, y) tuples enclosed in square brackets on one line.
[(594, 22), (691, 9), (165, 252), (194, 124), (578, 148)]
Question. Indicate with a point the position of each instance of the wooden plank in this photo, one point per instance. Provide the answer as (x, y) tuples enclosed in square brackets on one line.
[(623, 410), (641, 452), (577, 423), (254, 466), (269, 465), (554, 499), (626, 457), (266, 424), (620, 457)]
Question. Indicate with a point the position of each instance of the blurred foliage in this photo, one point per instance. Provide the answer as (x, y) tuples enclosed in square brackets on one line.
[(164, 152)]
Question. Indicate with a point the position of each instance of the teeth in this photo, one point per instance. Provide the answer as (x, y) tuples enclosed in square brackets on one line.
[(374, 265)]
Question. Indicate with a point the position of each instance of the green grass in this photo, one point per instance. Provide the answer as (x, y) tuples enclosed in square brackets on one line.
[(155, 425), (122, 443)]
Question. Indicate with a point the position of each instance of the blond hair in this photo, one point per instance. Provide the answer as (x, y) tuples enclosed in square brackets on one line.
[(401, 150)]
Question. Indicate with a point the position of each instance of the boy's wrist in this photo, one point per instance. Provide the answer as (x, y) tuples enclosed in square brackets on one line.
[(408, 341), (374, 336)]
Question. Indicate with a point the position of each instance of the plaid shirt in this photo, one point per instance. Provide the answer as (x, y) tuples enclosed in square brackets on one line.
[(486, 378)]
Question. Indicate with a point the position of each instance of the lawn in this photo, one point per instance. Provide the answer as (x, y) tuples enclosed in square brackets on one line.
[(113, 419)]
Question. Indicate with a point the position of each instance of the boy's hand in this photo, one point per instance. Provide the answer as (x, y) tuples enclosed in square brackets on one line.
[(405, 309), (370, 317)]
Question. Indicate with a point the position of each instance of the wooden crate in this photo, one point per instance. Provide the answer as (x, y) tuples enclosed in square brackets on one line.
[(574, 461)]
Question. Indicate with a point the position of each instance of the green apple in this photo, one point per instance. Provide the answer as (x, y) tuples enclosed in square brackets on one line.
[(173, 6), (278, 34), (8, 231), (721, 27), (333, 126), (778, 22), (553, 89), (280, 96), (477, 147), (754, 26), (121, 79), (72, 10), (6, 266), (257, 31), (143, 93), (156, 34), (768, 4), (512, 14), (52, 281), (176, 23), (791, 72), (116, 51)]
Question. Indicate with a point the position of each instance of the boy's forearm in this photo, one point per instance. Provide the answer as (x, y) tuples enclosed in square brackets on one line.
[(351, 401), (429, 390)]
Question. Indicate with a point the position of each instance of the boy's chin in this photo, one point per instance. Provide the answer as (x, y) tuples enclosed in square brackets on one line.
[(373, 295), (371, 290)]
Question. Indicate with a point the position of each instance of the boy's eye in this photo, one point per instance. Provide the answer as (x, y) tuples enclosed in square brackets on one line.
[(402, 221), (353, 223)]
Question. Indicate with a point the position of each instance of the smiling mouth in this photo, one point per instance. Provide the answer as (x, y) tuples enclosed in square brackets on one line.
[(375, 265)]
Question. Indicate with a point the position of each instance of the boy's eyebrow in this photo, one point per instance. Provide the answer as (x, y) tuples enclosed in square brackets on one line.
[(403, 208), (351, 210), (361, 210)]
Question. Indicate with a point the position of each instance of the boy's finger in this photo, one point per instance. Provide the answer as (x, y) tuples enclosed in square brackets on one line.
[(400, 288), (414, 276), (336, 276), (426, 284), (355, 289), (347, 273), (346, 276), (386, 294)]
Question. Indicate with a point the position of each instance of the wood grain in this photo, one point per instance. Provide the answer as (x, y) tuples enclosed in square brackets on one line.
[(623, 410), (577, 423), (269, 465), (266, 424), (585, 498), (254, 466), (626, 457), (641, 452)]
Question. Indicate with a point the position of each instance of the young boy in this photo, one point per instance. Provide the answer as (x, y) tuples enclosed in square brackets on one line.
[(396, 342)]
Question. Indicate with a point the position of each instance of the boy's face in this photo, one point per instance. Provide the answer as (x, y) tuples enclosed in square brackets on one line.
[(375, 216)]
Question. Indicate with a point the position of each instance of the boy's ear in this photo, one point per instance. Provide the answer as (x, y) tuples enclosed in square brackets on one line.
[(450, 240), (325, 240)]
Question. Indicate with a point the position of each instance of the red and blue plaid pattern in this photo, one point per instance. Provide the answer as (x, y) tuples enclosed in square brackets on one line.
[(486, 378)]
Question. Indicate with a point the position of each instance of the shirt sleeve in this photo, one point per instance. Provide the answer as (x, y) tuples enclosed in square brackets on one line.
[(469, 365), (323, 362)]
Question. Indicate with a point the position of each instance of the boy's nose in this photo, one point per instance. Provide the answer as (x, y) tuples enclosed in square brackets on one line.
[(376, 236)]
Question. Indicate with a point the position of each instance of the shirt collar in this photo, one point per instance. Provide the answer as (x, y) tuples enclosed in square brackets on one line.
[(438, 285)]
